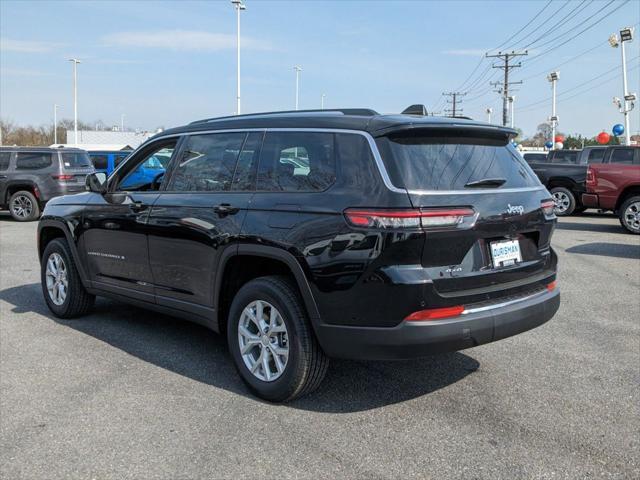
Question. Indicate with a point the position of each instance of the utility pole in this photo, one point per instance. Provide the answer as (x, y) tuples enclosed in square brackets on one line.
[(553, 77), (505, 84), (239, 6), (55, 123), (75, 99), (298, 69), (455, 100)]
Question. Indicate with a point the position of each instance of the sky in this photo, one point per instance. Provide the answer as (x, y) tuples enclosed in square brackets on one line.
[(166, 63)]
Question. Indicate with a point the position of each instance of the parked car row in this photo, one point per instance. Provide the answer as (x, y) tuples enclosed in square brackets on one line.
[(564, 173)]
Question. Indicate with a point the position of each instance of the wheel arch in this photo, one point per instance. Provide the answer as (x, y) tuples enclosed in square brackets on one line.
[(561, 182), (269, 261), (50, 229), (629, 191), (14, 186)]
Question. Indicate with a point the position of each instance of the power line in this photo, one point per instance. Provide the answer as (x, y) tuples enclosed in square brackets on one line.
[(523, 28), (559, 22)]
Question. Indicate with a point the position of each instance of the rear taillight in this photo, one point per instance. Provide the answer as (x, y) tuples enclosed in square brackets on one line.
[(591, 177), (410, 218), (552, 286), (435, 313), (63, 177), (548, 207)]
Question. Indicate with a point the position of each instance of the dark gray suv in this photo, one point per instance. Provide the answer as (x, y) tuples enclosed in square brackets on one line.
[(31, 176)]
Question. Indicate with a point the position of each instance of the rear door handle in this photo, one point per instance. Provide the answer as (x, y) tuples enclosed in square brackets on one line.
[(2, 177), (137, 206), (225, 209)]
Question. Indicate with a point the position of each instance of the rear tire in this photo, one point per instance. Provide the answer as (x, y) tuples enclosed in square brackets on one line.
[(258, 352), (629, 214), (62, 287), (565, 201), (24, 206)]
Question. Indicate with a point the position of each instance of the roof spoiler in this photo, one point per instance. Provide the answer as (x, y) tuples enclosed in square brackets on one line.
[(416, 109)]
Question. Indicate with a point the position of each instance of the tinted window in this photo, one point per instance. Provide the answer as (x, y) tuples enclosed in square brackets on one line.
[(535, 157), (4, 160), (32, 161), (622, 155), (448, 163), (596, 155), (297, 161), (136, 175), (565, 156), (100, 161), (117, 159), (75, 159), (245, 176), (207, 163)]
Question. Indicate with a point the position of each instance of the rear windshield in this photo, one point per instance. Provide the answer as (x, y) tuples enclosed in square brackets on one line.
[(449, 163), (75, 159)]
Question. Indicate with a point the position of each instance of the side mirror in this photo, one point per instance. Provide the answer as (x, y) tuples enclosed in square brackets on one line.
[(97, 182)]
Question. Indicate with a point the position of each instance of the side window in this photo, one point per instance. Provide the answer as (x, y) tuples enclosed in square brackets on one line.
[(4, 160), (32, 160), (596, 155), (245, 176), (138, 176), (562, 156), (622, 155), (297, 162), (100, 161), (208, 163), (117, 159)]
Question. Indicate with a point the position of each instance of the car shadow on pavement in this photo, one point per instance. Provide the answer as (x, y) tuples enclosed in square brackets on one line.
[(619, 250), (592, 227), (197, 353)]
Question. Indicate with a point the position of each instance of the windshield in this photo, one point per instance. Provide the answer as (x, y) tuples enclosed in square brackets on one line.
[(76, 159), (428, 162)]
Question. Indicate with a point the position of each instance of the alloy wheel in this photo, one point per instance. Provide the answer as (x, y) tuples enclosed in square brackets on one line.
[(632, 216), (562, 201), (263, 340), (56, 277), (22, 206)]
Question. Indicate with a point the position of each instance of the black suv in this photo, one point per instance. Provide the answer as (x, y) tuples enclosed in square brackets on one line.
[(308, 235), (31, 176)]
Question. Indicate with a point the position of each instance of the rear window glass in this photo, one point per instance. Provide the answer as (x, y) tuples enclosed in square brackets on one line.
[(297, 162), (100, 162), (622, 155), (32, 160), (449, 163), (4, 160), (565, 156), (75, 160)]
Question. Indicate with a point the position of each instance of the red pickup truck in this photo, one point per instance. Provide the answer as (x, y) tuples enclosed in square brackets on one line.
[(614, 185)]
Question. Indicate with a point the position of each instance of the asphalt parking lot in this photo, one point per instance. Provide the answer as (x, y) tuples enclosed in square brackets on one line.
[(125, 393)]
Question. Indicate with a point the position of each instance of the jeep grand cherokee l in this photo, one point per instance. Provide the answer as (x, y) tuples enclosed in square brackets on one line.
[(308, 235)]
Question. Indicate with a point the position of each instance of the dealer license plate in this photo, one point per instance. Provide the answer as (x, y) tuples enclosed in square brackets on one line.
[(505, 253)]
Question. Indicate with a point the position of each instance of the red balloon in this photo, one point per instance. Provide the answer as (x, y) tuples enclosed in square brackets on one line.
[(558, 138), (603, 138)]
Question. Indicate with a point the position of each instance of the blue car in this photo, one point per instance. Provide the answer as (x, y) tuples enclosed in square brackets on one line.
[(148, 172)]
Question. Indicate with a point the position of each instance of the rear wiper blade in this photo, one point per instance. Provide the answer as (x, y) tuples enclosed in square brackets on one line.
[(486, 182)]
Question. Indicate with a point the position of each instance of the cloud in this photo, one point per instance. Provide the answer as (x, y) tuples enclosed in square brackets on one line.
[(26, 46), (471, 52), (180, 40)]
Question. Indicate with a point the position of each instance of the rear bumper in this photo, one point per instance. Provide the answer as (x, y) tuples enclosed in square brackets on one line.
[(417, 339), (590, 200)]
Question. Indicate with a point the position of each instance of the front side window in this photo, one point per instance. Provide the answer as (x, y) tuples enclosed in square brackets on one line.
[(434, 162), (208, 163), (622, 155), (32, 160), (75, 159), (4, 160), (137, 177), (297, 162)]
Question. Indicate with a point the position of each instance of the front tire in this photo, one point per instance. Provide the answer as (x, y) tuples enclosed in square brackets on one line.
[(24, 206), (630, 215), (62, 288), (272, 342), (565, 201)]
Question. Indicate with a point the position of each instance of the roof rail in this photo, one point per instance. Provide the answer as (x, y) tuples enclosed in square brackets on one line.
[(364, 112)]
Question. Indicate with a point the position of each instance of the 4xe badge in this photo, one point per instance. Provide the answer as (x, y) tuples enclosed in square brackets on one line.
[(513, 209)]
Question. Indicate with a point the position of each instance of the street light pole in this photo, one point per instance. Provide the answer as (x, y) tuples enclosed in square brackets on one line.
[(322, 101), (122, 115), (55, 123), (239, 6), (298, 69), (75, 98), (626, 105), (489, 112), (553, 78), (512, 100)]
